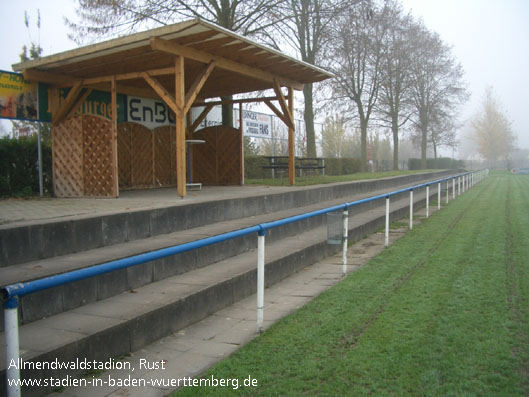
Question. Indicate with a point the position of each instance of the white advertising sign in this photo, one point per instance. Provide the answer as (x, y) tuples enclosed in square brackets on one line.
[(153, 113), (257, 125), (149, 112)]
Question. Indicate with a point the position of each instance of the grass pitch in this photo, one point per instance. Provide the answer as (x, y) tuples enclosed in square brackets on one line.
[(443, 311)]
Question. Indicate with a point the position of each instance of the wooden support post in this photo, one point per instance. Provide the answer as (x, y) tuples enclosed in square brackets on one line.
[(180, 127), (114, 107), (241, 130), (291, 149)]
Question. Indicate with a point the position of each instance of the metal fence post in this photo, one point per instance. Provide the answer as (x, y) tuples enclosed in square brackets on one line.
[(439, 195), (453, 187), (427, 201), (260, 278), (459, 186), (447, 190), (345, 234), (386, 240), (12, 348), (411, 209)]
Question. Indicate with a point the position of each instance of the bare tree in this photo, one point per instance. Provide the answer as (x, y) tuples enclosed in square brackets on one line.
[(334, 137), (358, 46), (493, 134), (394, 104), (305, 26), (436, 84), (443, 127)]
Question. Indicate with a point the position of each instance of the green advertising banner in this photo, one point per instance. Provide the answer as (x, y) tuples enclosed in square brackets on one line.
[(96, 104), (18, 97), (23, 100)]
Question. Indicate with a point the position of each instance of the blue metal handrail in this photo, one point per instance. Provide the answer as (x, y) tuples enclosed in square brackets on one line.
[(20, 289)]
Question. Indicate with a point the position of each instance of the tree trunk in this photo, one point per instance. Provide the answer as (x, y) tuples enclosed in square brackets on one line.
[(308, 116), (395, 129), (227, 111), (434, 150), (363, 143), (424, 137)]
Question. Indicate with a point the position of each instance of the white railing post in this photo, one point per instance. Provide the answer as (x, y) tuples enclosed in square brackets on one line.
[(411, 209), (427, 201), (439, 195), (447, 190), (454, 188), (345, 234), (260, 278), (459, 186), (12, 348), (386, 240)]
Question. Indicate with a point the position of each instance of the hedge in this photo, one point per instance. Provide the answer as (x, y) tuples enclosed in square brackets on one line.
[(253, 167), (440, 163), (19, 174)]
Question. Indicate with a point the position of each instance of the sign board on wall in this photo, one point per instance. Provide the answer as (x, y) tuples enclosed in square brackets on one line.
[(18, 97), (257, 125), (150, 113)]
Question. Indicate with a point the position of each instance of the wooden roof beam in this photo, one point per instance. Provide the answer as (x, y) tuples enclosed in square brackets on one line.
[(68, 103), (50, 78), (232, 101), (289, 123), (159, 44), (200, 118), (283, 104), (197, 86), (163, 93), (79, 102)]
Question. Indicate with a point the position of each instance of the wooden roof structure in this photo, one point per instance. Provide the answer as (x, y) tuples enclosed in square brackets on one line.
[(152, 64)]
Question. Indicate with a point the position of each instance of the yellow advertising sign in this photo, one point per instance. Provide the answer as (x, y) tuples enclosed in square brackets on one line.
[(18, 97)]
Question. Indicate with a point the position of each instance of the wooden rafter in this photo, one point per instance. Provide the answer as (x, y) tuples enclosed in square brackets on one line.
[(232, 101), (283, 104), (159, 44), (70, 100), (200, 118), (79, 102), (278, 113), (197, 86), (163, 93)]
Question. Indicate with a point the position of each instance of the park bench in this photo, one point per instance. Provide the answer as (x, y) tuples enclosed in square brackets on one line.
[(300, 163)]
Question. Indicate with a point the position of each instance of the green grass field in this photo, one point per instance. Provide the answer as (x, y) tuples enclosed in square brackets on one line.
[(324, 179), (443, 311)]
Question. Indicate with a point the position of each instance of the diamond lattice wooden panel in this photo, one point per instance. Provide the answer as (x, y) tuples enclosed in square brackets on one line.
[(228, 156), (164, 171), (125, 155), (142, 156), (97, 157), (204, 157), (68, 158), (217, 162)]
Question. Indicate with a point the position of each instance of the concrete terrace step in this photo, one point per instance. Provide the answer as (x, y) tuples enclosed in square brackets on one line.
[(66, 297), (126, 322), (31, 240)]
